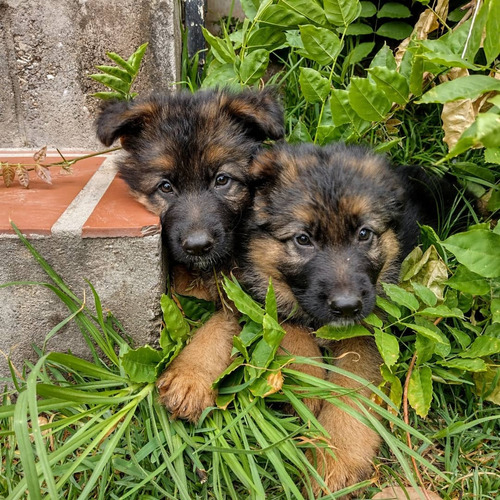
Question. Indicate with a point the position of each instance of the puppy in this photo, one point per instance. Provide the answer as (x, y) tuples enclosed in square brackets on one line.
[(328, 226), (187, 160)]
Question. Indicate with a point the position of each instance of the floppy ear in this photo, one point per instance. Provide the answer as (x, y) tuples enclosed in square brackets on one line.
[(124, 120), (258, 111), (265, 168)]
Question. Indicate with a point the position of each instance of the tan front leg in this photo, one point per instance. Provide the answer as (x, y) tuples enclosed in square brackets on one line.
[(299, 341), (353, 444), (185, 386)]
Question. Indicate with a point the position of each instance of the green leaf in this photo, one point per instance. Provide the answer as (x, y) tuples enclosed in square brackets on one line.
[(394, 10), (300, 133), (495, 310), (416, 74), (314, 86), (195, 309), (481, 347), (342, 332), (491, 43), (357, 29), (175, 323), (461, 337), (306, 8), (117, 72), (136, 58), (385, 58), (140, 364), (420, 390), (477, 250), (396, 391), (397, 30), (243, 301), (341, 12), (235, 364), (223, 75), (271, 306), (106, 96), (357, 54), (488, 384), (426, 295), (468, 365), (322, 45), (401, 296), (250, 8), (492, 155), (388, 307), (283, 17), (394, 85), (468, 282), (428, 332), (441, 311), (254, 65), (368, 9), (266, 37), (388, 347), (373, 320), (219, 47), (466, 87), (342, 112), (326, 131), (121, 62), (112, 82), (425, 348), (368, 102)]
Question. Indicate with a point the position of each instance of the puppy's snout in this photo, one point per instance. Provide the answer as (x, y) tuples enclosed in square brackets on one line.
[(345, 305), (198, 243)]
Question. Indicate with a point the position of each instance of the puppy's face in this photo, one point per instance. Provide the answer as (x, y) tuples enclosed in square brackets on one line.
[(187, 161), (325, 230)]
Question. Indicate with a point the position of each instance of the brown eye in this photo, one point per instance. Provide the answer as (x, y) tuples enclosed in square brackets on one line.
[(166, 187), (303, 240), (222, 180), (365, 234)]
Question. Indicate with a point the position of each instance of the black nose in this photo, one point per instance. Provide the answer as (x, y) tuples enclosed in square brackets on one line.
[(345, 305), (198, 243)]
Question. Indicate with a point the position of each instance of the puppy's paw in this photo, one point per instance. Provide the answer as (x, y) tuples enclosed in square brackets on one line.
[(185, 392), (340, 472)]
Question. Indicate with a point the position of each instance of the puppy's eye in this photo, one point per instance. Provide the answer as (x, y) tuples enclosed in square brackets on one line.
[(166, 187), (365, 234), (222, 180), (303, 240)]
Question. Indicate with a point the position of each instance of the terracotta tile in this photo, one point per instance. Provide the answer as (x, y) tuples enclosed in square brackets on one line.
[(36, 209), (118, 214)]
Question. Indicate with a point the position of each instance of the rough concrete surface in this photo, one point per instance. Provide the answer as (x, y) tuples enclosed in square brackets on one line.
[(127, 273), (50, 47)]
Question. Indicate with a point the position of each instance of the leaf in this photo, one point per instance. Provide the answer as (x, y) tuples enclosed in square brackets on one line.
[(368, 9), (357, 54), (394, 10), (400, 296), (140, 364), (8, 173), (441, 311), (270, 304), (388, 347), (397, 30), (279, 15), (488, 384), (342, 111), (492, 155), (491, 43), (467, 87), (366, 100), (23, 175), (222, 75), (322, 45), (477, 250), (425, 348), (469, 365), (300, 133), (356, 29), (106, 96), (250, 8), (235, 364), (341, 12), (388, 307), (426, 295), (396, 391), (314, 87), (121, 62), (426, 331), (175, 323), (40, 155), (243, 301), (220, 49), (267, 37), (43, 173), (385, 58), (136, 58), (461, 337), (326, 131), (420, 390), (342, 332), (195, 309), (481, 347), (112, 82), (394, 85), (254, 66), (468, 282), (117, 72), (306, 8)]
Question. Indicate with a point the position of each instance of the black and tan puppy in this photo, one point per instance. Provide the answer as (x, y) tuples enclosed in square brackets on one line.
[(329, 225), (187, 159)]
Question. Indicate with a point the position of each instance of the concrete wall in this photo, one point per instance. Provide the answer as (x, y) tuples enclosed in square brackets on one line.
[(49, 47)]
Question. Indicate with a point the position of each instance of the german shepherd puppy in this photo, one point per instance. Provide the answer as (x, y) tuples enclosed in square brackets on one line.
[(328, 226), (187, 160)]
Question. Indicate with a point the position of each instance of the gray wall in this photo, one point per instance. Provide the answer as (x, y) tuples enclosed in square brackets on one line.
[(49, 47)]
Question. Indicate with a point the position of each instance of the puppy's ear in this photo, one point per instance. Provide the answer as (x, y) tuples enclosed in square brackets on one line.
[(258, 111), (124, 120), (265, 168)]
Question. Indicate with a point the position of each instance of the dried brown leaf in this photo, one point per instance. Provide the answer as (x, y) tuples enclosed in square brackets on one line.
[(410, 493), (40, 155), (43, 173), (275, 381), (8, 173), (22, 175)]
